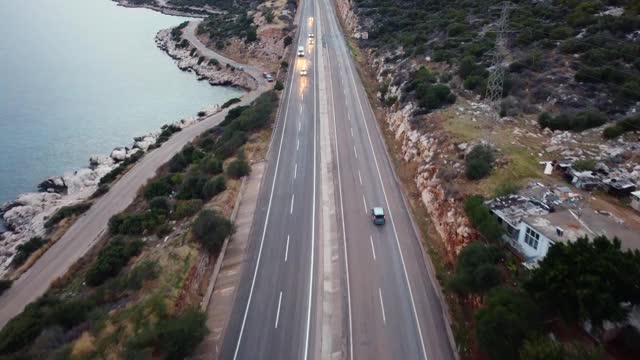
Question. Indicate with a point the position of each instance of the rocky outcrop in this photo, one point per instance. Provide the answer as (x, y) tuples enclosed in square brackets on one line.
[(188, 59), (425, 149)]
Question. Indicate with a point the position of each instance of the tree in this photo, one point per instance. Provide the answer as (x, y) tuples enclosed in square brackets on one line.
[(212, 165), (543, 348), (476, 269), (252, 35), (279, 86), (479, 162), (211, 229), (287, 41), (157, 187), (587, 280), (507, 319)]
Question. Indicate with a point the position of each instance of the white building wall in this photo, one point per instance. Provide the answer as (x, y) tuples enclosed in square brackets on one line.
[(544, 243)]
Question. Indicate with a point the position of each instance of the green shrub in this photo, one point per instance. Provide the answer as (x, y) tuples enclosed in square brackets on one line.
[(178, 163), (479, 162), (238, 168), (585, 165), (136, 223), (186, 208), (480, 217), (214, 62), (251, 35), (158, 187), (192, 187), (214, 186), (25, 250), (160, 203), (145, 271), (111, 259), (210, 229), (279, 85), (179, 336), (431, 97), (287, 41), (507, 188), (472, 82), (70, 313), (629, 124), (573, 122), (101, 190), (22, 329), (212, 166), (165, 134), (230, 102), (65, 212)]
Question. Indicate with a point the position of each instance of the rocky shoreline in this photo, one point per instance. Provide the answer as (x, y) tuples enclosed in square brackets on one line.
[(189, 59), (193, 11), (24, 217)]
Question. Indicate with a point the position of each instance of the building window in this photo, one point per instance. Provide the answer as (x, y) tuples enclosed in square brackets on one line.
[(531, 238)]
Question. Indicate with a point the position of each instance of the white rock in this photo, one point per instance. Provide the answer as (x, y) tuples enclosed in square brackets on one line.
[(119, 153), (97, 160)]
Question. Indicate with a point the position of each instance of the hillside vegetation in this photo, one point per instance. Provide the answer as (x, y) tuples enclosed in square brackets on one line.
[(576, 54)]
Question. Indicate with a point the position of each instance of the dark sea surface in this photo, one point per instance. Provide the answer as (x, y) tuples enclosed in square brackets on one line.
[(80, 77)]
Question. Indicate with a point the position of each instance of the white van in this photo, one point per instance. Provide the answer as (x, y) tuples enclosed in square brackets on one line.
[(300, 50)]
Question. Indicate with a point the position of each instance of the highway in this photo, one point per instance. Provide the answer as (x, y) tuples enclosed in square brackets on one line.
[(390, 307)]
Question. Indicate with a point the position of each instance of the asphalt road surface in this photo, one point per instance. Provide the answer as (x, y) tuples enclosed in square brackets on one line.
[(391, 308), (86, 231)]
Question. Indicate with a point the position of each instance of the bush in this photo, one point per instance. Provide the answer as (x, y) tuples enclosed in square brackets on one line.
[(179, 336), (135, 223), (287, 41), (111, 259), (5, 285), (507, 188), (507, 319), (481, 218), (101, 190), (211, 229), (160, 203), (186, 208), (479, 162), (145, 271), (431, 97), (544, 348), (574, 122), (279, 85), (251, 35), (214, 186), (230, 102), (158, 187), (214, 62), (212, 166), (192, 187), (25, 250), (178, 163), (585, 165), (65, 212), (22, 329), (238, 168), (627, 125), (472, 82)]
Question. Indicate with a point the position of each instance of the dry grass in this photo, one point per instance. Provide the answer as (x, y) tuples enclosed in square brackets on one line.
[(84, 345)]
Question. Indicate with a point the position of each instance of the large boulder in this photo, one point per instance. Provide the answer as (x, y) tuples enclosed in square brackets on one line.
[(143, 143), (119, 153), (97, 160), (54, 184)]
